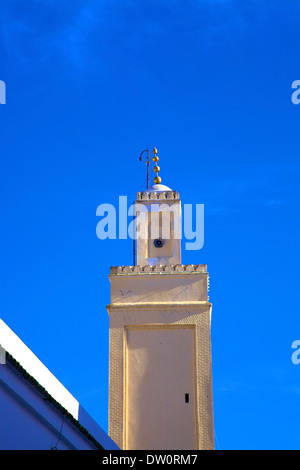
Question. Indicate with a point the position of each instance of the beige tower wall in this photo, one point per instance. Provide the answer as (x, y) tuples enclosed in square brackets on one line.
[(155, 343)]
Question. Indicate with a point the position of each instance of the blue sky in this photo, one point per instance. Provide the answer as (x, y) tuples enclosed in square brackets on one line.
[(89, 85)]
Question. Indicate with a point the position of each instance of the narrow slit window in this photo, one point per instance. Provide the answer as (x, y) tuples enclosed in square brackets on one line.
[(187, 398)]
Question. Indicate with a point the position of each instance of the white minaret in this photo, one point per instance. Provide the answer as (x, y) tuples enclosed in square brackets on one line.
[(160, 377)]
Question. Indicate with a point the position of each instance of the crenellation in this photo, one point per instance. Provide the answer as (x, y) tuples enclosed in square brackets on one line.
[(152, 195), (159, 269)]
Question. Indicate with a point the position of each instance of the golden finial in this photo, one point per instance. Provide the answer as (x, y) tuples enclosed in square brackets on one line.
[(157, 179)]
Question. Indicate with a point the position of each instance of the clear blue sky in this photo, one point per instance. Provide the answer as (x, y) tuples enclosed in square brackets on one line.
[(90, 84)]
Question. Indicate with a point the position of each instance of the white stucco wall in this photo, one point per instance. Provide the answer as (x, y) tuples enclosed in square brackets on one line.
[(27, 420)]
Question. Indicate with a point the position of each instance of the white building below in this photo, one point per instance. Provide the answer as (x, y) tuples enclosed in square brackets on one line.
[(36, 411)]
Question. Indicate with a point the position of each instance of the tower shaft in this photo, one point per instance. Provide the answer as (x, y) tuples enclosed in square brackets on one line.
[(160, 375)]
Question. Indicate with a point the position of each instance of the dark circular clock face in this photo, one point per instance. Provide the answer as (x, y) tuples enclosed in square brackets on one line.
[(158, 242)]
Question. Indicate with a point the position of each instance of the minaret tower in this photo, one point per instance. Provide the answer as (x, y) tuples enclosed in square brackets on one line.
[(160, 376)]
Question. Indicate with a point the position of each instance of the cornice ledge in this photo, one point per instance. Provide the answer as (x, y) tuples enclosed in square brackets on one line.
[(159, 305)]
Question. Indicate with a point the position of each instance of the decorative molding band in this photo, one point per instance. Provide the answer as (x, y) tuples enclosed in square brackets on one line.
[(161, 195), (202, 305), (165, 269)]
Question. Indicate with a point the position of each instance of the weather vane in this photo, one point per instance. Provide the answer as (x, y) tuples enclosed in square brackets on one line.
[(155, 158), (147, 162)]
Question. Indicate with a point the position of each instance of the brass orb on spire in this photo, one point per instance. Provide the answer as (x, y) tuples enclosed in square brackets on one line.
[(157, 179)]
